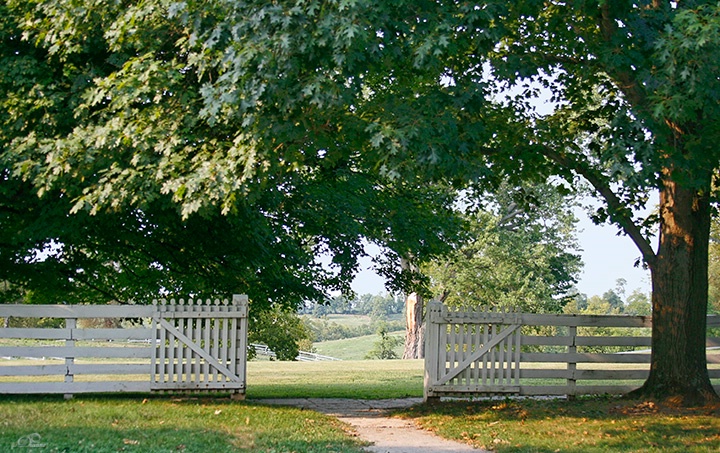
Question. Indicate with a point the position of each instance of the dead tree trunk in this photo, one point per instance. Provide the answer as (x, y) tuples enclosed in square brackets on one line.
[(414, 329)]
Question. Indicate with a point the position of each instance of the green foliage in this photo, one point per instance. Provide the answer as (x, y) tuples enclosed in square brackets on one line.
[(519, 253), (325, 330), (279, 328), (384, 347), (116, 114), (610, 304)]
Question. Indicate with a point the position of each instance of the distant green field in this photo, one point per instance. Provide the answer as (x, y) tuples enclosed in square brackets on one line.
[(353, 348)]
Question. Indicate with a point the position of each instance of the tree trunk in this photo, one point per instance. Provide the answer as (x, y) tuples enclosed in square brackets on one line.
[(678, 370), (414, 332)]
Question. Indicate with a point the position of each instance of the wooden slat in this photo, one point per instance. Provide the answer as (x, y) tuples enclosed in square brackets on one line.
[(32, 370), (35, 333), (542, 390), (73, 387), (75, 311), (112, 334), (208, 358), (529, 357), (110, 368), (489, 346), (82, 351), (545, 319), (583, 374)]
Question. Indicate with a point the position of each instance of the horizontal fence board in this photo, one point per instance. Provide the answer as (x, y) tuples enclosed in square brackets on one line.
[(35, 333), (610, 375), (559, 390), (529, 319), (76, 334), (565, 357), (76, 311), (109, 368), (561, 340), (32, 370), (74, 387), (75, 352), (613, 341), (135, 333)]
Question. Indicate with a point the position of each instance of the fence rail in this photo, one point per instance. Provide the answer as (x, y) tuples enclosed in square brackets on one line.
[(491, 352), (303, 356), (191, 345)]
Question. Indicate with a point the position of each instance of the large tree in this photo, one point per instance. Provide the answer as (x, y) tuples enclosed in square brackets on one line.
[(209, 102)]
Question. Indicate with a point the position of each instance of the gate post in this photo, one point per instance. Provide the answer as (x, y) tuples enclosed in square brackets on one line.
[(432, 349)]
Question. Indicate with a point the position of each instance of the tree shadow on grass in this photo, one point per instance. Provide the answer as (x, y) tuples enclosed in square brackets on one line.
[(163, 423), (585, 425)]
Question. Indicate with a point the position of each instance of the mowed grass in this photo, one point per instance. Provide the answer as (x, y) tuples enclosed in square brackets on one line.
[(361, 379), (144, 423), (599, 424)]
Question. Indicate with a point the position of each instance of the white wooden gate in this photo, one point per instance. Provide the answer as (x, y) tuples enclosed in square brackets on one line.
[(200, 345), (471, 352)]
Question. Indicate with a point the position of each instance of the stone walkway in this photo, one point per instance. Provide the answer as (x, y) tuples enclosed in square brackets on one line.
[(369, 419)]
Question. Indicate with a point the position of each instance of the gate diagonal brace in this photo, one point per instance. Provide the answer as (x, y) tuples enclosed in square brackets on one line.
[(199, 351), (502, 335)]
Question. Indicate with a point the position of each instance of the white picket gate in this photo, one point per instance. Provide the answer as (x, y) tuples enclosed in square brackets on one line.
[(484, 352), (193, 345)]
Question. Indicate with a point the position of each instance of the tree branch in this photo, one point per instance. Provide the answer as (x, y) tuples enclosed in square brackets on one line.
[(618, 212)]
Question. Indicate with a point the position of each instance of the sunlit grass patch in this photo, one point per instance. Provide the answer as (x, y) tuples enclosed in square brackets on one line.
[(585, 425)]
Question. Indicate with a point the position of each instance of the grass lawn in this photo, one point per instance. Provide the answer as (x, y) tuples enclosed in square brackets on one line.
[(142, 423), (363, 379), (585, 425)]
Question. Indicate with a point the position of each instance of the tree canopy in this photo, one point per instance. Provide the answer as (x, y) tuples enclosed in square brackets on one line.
[(142, 189)]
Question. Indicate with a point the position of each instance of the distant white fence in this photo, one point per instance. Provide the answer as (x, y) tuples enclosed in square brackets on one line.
[(471, 353), (303, 356), (192, 345)]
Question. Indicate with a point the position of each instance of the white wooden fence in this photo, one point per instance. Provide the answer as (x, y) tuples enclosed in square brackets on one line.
[(470, 353), (192, 345)]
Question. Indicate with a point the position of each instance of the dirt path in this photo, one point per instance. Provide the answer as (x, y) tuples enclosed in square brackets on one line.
[(370, 421)]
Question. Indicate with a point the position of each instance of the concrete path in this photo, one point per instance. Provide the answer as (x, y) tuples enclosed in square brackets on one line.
[(370, 420)]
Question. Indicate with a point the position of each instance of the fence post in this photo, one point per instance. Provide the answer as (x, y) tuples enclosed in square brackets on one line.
[(432, 348), (572, 365), (241, 302), (70, 325)]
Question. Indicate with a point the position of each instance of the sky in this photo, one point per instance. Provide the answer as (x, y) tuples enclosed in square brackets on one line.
[(607, 257)]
